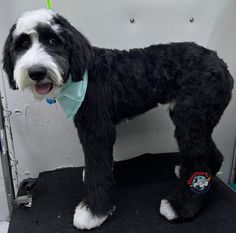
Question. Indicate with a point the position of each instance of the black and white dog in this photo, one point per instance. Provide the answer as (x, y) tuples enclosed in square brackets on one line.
[(43, 49)]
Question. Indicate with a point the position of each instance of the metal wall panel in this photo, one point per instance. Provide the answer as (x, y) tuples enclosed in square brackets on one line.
[(4, 213)]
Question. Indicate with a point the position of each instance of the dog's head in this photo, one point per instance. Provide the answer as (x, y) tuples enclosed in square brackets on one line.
[(40, 52)]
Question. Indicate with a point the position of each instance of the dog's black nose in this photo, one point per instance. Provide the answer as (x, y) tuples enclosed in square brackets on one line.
[(37, 73)]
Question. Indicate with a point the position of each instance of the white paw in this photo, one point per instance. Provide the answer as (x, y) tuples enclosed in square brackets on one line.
[(83, 175), (177, 171), (167, 211), (84, 219)]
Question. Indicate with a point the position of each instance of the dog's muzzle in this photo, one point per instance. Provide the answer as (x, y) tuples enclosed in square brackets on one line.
[(39, 74)]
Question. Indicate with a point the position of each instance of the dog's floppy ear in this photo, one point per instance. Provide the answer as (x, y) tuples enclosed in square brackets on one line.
[(8, 63), (79, 47)]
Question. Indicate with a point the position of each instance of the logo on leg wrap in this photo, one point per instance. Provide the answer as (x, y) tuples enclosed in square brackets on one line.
[(199, 182)]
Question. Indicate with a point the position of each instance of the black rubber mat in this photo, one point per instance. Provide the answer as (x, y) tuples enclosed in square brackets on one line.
[(141, 183)]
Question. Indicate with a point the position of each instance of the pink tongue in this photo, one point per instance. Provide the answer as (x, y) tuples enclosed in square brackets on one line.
[(43, 89)]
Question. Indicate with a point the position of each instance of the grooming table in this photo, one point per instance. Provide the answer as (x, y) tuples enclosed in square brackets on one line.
[(141, 184)]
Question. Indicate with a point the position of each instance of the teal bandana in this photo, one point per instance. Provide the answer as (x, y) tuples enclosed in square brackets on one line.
[(71, 96)]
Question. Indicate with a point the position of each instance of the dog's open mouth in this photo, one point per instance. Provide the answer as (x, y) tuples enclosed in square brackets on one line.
[(43, 88)]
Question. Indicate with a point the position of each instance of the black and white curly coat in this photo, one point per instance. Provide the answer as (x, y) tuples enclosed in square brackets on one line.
[(43, 48)]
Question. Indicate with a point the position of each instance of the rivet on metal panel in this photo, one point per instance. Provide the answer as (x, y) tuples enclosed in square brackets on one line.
[(191, 19), (132, 20), (27, 173), (17, 112)]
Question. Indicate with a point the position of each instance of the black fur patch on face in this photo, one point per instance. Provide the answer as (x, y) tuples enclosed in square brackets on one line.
[(22, 43), (80, 50), (9, 58), (49, 37)]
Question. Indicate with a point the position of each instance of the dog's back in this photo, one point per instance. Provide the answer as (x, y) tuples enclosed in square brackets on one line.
[(136, 80)]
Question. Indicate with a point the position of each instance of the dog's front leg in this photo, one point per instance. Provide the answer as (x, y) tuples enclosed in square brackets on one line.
[(97, 140)]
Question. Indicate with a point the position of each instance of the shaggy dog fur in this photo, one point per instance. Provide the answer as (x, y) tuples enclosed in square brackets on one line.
[(122, 85)]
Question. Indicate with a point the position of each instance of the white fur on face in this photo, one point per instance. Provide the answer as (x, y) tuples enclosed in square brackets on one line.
[(36, 55), (31, 19), (84, 219)]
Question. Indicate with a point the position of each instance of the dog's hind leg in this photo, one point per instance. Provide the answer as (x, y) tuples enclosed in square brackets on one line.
[(215, 160), (194, 116), (97, 140)]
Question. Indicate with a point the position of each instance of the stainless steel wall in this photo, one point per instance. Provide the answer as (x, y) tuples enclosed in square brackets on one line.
[(4, 213)]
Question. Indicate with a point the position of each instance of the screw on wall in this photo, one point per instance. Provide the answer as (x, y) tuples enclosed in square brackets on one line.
[(132, 20), (17, 112), (191, 19)]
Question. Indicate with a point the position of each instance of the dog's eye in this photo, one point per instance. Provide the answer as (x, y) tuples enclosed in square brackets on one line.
[(53, 41), (25, 44)]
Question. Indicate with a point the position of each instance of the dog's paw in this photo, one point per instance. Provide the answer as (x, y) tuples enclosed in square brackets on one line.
[(177, 171), (182, 204), (167, 210), (84, 219)]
